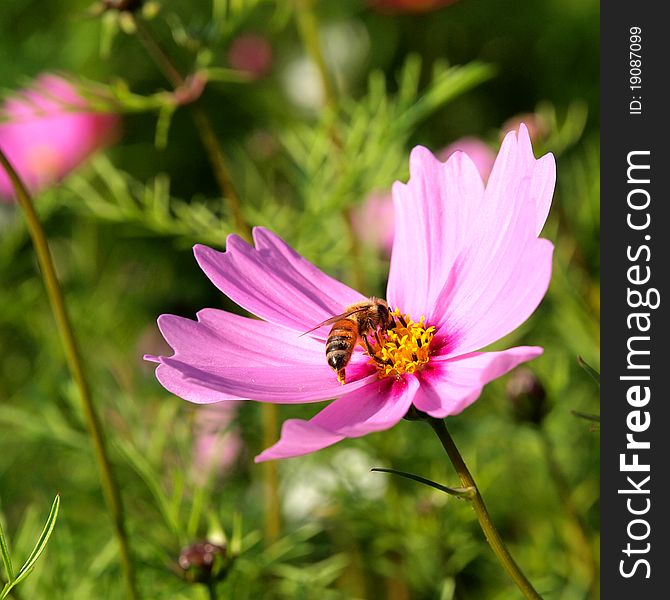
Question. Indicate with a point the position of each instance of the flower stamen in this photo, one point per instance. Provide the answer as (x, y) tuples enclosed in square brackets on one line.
[(403, 348)]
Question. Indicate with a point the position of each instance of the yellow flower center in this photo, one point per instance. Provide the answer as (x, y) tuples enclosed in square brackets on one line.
[(403, 348)]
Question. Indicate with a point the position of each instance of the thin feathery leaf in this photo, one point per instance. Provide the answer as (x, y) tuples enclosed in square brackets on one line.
[(589, 369), (460, 492), (587, 416), (39, 548), (6, 558)]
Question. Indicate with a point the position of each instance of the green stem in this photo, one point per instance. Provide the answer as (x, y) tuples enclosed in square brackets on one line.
[(485, 522), (211, 589), (270, 417), (203, 125), (14, 594), (220, 168), (309, 31), (110, 486)]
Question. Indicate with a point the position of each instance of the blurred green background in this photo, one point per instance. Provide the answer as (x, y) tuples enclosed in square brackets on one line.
[(121, 229)]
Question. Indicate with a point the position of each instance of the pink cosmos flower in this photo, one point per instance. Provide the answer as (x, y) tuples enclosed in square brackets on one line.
[(47, 130), (374, 219), (467, 268)]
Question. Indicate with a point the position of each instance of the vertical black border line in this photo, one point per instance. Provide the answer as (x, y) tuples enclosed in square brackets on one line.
[(635, 243)]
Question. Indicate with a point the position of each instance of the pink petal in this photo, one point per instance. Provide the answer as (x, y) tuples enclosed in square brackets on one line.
[(290, 384), (374, 219), (223, 356), (435, 212), (222, 338), (274, 282), (442, 214), (492, 290), (517, 176), (479, 152), (375, 407), (299, 437), (449, 386), (502, 272)]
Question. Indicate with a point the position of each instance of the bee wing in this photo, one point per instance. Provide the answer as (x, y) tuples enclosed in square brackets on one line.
[(335, 319)]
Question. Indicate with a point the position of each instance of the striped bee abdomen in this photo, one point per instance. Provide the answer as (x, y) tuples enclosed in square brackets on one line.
[(340, 345)]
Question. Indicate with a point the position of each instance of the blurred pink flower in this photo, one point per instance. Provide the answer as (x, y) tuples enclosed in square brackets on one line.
[(47, 130), (373, 220), (251, 53), (467, 268), (480, 153), (217, 439), (409, 6)]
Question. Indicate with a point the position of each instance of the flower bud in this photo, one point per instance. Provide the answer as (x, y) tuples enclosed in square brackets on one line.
[(528, 396), (252, 54), (203, 562)]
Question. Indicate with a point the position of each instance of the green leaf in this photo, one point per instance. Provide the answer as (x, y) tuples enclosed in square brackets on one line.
[(40, 546), (109, 31), (163, 123), (587, 416), (151, 478), (6, 559), (465, 493), (589, 369), (223, 75)]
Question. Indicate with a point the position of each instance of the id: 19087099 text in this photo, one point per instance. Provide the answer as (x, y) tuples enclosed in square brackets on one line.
[(635, 70)]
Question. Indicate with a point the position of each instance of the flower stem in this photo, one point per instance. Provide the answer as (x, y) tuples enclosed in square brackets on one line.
[(211, 589), (485, 522), (270, 419), (110, 486), (309, 31), (203, 124)]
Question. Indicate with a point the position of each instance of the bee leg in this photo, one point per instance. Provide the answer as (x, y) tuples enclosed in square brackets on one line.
[(368, 347), (381, 345), (371, 353), (341, 376)]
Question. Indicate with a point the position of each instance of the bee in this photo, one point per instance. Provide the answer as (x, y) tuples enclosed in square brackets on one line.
[(355, 323)]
